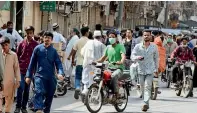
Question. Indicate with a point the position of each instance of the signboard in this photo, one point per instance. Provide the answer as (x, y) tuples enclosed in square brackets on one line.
[(48, 6)]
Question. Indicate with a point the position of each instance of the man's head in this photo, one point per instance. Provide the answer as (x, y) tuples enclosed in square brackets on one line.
[(5, 43), (137, 29), (30, 32), (98, 27), (74, 32), (90, 36), (10, 25), (129, 33), (147, 35), (48, 38), (85, 31), (97, 34), (185, 41), (112, 37), (55, 27)]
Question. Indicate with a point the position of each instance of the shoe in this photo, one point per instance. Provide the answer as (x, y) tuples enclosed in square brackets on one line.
[(24, 111), (17, 110), (39, 111), (191, 94), (76, 95), (145, 108)]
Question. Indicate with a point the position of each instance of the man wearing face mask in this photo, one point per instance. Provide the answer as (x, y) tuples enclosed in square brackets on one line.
[(115, 54), (147, 57), (170, 46), (182, 52), (13, 35)]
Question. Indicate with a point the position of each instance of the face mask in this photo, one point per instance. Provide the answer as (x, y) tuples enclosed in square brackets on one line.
[(112, 40), (169, 40)]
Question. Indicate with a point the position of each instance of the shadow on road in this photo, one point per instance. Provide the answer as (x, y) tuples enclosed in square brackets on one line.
[(172, 100), (66, 111), (144, 112)]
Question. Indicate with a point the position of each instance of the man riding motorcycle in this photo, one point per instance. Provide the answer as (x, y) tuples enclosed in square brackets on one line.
[(170, 46), (115, 54), (182, 52)]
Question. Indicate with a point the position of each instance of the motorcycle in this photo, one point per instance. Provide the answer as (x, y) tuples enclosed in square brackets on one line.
[(185, 83), (61, 88), (167, 75), (100, 92)]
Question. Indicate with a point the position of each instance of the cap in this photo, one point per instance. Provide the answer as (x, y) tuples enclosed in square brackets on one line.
[(55, 25), (97, 33)]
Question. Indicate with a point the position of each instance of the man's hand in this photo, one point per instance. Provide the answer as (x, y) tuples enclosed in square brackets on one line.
[(73, 63), (119, 63), (17, 84), (140, 58), (28, 80), (60, 77), (1, 86), (156, 74)]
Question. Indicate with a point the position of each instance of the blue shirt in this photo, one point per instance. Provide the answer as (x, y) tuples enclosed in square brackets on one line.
[(150, 64), (43, 61)]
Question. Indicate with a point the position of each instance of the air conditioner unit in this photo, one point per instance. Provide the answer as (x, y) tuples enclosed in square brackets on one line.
[(103, 8)]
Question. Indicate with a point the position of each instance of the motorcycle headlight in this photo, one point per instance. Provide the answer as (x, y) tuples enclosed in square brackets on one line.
[(169, 60), (97, 71), (188, 64), (182, 66)]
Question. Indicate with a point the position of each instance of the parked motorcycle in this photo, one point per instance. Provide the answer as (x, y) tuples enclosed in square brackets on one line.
[(61, 88), (185, 84), (100, 92)]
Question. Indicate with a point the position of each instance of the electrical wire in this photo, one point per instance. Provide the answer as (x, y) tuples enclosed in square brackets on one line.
[(19, 11)]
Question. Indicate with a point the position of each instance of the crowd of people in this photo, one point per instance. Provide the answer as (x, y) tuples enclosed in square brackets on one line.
[(34, 59)]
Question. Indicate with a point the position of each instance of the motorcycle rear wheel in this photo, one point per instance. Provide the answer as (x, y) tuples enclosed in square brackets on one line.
[(88, 98), (63, 91)]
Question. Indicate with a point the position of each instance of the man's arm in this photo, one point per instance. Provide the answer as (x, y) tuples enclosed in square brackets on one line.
[(32, 64), (58, 64), (1, 66), (18, 37), (191, 55), (134, 54), (156, 59), (104, 57), (63, 40), (19, 50), (17, 69)]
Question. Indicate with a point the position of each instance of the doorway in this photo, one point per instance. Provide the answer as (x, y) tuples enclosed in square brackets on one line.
[(19, 15)]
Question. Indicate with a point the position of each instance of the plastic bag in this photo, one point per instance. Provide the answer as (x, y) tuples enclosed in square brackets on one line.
[(133, 71)]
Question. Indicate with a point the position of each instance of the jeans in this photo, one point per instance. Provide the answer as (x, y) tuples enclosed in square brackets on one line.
[(146, 86), (116, 75), (22, 93), (78, 76)]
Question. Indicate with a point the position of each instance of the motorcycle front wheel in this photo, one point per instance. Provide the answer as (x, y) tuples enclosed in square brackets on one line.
[(187, 84), (61, 91), (91, 99), (121, 107)]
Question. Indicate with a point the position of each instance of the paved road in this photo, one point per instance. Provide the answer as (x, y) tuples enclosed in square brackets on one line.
[(167, 102)]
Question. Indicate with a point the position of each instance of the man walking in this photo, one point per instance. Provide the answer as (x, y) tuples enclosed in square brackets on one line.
[(44, 61), (24, 52), (13, 35), (79, 68), (147, 56)]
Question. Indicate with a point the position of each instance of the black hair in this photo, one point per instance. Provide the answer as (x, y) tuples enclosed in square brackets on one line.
[(185, 38), (41, 33), (137, 29), (98, 27), (113, 32), (48, 33), (147, 30), (140, 33), (162, 38), (90, 35), (9, 22), (5, 40), (84, 30), (28, 28), (130, 30)]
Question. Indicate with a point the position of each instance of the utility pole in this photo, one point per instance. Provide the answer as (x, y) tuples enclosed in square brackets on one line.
[(120, 14), (166, 14)]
